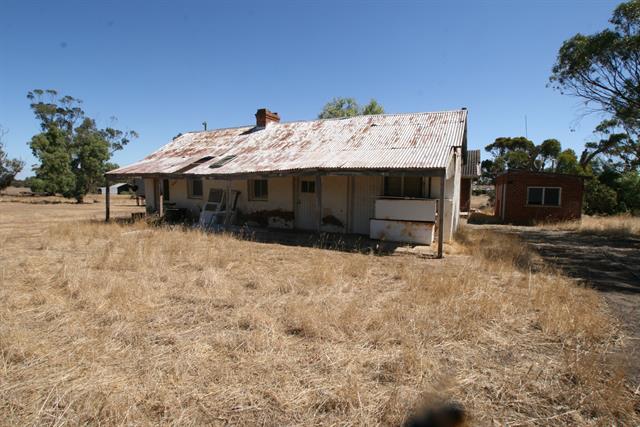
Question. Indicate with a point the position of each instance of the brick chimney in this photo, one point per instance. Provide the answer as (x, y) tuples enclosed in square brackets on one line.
[(264, 117)]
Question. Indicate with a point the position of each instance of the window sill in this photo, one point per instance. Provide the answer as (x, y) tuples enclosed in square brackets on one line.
[(542, 206)]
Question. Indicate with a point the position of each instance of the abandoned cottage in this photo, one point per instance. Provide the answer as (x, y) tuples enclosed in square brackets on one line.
[(390, 176)]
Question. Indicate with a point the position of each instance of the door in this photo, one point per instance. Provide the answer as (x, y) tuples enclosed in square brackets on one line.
[(366, 190), (306, 211)]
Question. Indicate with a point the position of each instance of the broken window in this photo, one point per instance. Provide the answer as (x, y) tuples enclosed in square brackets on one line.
[(403, 186), (194, 188), (258, 189), (543, 196), (307, 186)]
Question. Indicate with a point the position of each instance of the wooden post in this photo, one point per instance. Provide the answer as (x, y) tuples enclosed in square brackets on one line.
[(441, 215), (160, 198), (319, 200), (227, 213), (107, 195)]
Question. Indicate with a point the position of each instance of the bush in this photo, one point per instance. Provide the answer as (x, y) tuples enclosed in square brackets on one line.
[(599, 198), (629, 192)]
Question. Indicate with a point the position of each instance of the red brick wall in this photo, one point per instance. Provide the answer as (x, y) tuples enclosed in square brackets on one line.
[(514, 197), (465, 195)]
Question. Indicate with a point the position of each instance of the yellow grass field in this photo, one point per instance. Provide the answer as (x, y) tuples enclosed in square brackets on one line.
[(131, 324)]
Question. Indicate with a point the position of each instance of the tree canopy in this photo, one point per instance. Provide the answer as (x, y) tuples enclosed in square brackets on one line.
[(9, 168), (73, 152), (521, 153), (348, 107), (603, 69)]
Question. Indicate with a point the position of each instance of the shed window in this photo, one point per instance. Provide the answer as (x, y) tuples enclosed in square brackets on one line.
[(543, 196), (165, 189), (258, 189), (399, 186), (195, 188), (307, 186)]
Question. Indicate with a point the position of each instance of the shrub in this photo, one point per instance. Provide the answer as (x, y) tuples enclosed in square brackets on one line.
[(599, 198)]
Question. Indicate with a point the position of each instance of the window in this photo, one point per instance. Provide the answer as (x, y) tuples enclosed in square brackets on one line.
[(393, 186), (552, 197), (195, 188), (407, 186), (258, 189), (194, 164), (412, 186), (307, 186), (543, 196), (165, 189), (221, 162)]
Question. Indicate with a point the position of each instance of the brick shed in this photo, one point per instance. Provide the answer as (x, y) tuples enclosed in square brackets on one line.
[(526, 197)]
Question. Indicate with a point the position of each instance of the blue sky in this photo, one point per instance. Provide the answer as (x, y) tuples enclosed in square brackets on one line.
[(163, 67)]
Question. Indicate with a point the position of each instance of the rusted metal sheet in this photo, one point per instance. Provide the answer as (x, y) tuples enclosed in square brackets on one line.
[(402, 231), (471, 169), (388, 141)]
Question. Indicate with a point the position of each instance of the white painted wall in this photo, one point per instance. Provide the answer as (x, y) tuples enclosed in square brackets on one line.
[(365, 191), (350, 199), (406, 209), (149, 201), (334, 201)]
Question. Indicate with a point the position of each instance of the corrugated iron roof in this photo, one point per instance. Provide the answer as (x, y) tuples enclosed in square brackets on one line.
[(386, 141), (471, 169)]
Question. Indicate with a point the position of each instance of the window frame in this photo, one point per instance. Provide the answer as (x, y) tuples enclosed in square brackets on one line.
[(310, 186), (252, 190), (402, 186), (543, 204), (190, 194)]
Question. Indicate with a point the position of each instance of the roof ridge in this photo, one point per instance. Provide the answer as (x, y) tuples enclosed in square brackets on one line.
[(333, 119)]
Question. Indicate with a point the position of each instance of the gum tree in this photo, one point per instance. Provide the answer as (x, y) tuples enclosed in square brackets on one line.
[(73, 151)]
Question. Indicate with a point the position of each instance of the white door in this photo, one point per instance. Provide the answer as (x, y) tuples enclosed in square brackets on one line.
[(365, 191), (306, 211)]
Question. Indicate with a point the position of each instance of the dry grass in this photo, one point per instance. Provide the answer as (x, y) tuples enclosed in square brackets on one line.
[(616, 225), (112, 324)]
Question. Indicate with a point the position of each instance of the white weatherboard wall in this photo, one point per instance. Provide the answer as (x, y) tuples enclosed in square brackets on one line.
[(406, 209), (452, 196)]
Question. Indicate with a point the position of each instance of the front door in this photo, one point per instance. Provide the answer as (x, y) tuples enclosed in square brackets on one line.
[(306, 211)]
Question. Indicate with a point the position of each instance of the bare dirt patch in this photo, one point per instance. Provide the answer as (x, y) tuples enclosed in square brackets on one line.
[(129, 324)]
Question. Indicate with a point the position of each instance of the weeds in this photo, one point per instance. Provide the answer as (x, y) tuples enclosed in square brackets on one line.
[(115, 324)]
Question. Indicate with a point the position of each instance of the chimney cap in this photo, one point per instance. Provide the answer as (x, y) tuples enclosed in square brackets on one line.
[(264, 117)]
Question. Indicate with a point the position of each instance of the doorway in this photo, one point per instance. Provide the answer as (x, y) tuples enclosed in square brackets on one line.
[(306, 217)]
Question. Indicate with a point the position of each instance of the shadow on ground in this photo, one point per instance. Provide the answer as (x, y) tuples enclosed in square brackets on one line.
[(607, 263), (352, 243)]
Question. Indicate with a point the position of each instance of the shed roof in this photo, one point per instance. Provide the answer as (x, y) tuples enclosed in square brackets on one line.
[(471, 168), (386, 141)]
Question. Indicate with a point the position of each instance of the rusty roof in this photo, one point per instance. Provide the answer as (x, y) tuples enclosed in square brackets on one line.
[(471, 168), (381, 142)]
